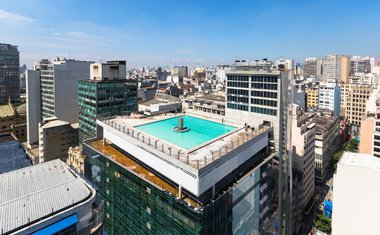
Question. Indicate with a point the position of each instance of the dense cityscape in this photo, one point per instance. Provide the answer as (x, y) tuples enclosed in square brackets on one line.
[(249, 146)]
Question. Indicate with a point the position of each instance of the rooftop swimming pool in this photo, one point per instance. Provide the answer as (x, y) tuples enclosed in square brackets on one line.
[(201, 131)]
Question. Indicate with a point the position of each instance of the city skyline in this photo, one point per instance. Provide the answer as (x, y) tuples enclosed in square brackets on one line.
[(150, 33)]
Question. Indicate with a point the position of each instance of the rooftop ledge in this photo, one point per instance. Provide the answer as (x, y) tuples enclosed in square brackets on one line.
[(197, 157)]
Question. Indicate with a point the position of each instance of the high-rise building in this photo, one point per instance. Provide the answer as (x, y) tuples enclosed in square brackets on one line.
[(48, 198), (155, 180), (353, 101), (370, 126), (9, 73), (329, 97), (182, 71), (52, 91), (310, 67), (107, 93), (327, 142), (356, 195), (302, 152), (56, 137), (335, 68), (361, 64), (253, 94)]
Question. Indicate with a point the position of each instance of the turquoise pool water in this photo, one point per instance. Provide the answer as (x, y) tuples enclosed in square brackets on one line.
[(201, 131)]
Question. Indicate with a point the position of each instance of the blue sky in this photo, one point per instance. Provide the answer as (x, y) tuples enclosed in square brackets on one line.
[(174, 32)]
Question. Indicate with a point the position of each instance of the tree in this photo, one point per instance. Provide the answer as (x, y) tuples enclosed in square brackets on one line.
[(322, 222)]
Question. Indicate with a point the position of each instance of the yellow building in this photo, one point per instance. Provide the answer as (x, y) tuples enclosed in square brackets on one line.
[(345, 69), (353, 100), (312, 97), (11, 121)]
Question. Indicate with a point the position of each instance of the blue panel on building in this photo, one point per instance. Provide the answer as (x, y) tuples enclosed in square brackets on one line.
[(58, 226)]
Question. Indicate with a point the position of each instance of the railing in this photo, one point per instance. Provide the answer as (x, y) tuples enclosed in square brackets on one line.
[(237, 140)]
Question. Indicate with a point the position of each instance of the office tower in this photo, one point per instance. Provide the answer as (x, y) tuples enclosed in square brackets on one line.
[(370, 126), (362, 64), (310, 67), (253, 94), (48, 198), (107, 93), (55, 139), (356, 195), (353, 101), (221, 73), (329, 97), (327, 142), (52, 91), (9, 73), (336, 68), (312, 97), (302, 155), (156, 177)]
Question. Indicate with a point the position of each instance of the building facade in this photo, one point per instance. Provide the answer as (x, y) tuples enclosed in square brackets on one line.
[(11, 121), (329, 97), (370, 126), (353, 101), (157, 189), (52, 91), (253, 94), (312, 97), (302, 150), (335, 68), (327, 142), (9, 73), (107, 93), (55, 139), (310, 67)]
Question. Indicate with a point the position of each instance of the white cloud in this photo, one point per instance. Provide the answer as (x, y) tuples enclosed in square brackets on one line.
[(6, 16)]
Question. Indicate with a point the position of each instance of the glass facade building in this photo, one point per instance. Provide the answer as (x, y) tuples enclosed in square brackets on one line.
[(99, 99), (136, 205)]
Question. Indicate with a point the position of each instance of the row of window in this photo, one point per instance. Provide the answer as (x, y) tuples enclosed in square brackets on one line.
[(238, 78), (264, 79), (238, 84), (237, 106), (271, 103), (237, 92), (266, 94), (264, 111), (265, 86), (237, 99)]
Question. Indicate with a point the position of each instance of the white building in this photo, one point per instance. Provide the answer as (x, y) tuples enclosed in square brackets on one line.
[(253, 94), (47, 198), (356, 203), (329, 97), (52, 91), (302, 149)]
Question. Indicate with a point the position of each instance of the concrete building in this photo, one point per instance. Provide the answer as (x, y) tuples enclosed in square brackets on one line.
[(253, 94), (9, 73), (55, 139), (327, 142), (161, 104), (182, 71), (76, 159), (146, 167), (353, 101), (107, 93), (370, 126), (12, 121), (356, 195), (205, 104), (312, 98), (361, 64), (310, 67), (302, 160), (52, 91), (48, 199), (329, 97), (335, 68)]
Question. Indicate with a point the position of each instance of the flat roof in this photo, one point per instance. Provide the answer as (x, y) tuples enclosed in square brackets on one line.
[(360, 160), (37, 192), (197, 156), (138, 169)]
